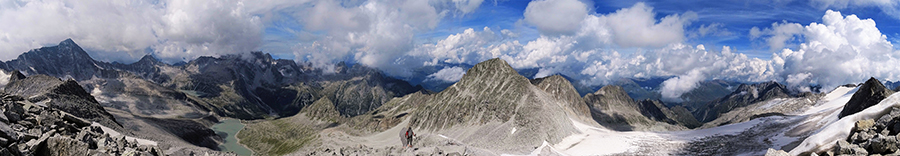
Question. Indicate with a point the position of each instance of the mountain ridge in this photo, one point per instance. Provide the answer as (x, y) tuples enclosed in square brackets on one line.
[(241, 86), (744, 95)]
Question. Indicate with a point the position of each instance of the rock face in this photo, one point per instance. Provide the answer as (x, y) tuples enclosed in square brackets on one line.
[(501, 110), (66, 95), (148, 67), (869, 94), (677, 115), (48, 131), (562, 90), (613, 108), (322, 109), (356, 89), (64, 60), (873, 136), (745, 95)]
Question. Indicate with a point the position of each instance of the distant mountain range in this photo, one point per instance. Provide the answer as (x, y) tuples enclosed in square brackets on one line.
[(492, 108)]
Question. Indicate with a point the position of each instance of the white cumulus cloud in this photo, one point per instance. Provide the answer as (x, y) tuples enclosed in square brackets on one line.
[(555, 17), (449, 74), (375, 33), (638, 27), (174, 29), (673, 88), (841, 50)]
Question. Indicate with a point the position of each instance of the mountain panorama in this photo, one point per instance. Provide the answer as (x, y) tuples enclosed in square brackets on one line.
[(57, 100), (449, 77)]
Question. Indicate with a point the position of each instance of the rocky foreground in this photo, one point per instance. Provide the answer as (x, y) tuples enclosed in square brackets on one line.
[(872, 137), (34, 129), (868, 137)]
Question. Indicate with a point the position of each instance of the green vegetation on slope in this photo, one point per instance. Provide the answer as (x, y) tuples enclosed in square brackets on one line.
[(276, 137)]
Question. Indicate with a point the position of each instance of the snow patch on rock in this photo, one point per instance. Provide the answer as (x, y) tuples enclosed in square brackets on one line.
[(116, 134)]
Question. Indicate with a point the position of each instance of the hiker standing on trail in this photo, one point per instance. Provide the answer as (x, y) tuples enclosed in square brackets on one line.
[(407, 137)]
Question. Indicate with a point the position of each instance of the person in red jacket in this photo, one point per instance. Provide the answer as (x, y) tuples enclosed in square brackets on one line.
[(409, 136)]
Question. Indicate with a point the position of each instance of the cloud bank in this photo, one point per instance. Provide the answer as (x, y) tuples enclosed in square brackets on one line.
[(175, 29), (842, 49), (375, 33), (370, 31)]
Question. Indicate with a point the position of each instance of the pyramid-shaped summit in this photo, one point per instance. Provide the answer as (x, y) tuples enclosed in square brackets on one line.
[(492, 66), (493, 96), (64, 60), (68, 42), (869, 94), (148, 59)]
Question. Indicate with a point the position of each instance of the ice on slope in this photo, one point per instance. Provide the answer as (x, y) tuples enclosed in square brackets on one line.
[(826, 137), (601, 141)]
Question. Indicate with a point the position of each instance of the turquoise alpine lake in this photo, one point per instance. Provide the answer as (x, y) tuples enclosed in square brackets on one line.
[(228, 129)]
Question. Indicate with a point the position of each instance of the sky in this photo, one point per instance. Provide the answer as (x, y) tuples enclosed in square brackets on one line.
[(796, 42)]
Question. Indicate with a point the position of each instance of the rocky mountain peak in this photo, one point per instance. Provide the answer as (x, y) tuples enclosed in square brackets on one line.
[(494, 96), (744, 95), (15, 75), (492, 66), (67, 41), (65, 48), (755, 91), (148, 59), (869, 94), (612, 92), (611, 97), (612, 107), (64, 60), (262, 56), (561, 89), (555, 80), (493, 73)]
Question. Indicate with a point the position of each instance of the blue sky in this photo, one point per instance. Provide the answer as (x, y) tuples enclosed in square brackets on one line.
[(796, 42), (736, 16)]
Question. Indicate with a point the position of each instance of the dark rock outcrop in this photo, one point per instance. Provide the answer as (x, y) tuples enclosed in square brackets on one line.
[(64, 60), (67, 96), (872, 136), (869, 94), (49, 131), (677, 115)]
